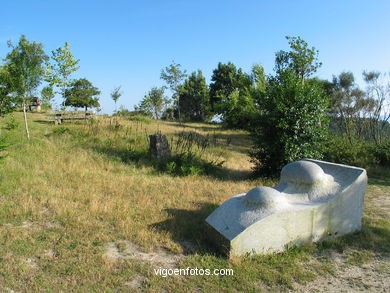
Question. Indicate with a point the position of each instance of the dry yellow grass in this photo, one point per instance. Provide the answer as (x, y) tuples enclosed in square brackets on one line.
[(74, 188)]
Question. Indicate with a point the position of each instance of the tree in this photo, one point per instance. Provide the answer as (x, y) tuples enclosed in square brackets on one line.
[(173, 76), (301, 59), (116, 94), (194, 100), (47, 95), (232, 93), (60, 69), (224, 81), (351, 108), (7, 99), (294, 122), (378, 92), (26, 66), (258, 78), (154, 103), (239, 110), (82, 94)]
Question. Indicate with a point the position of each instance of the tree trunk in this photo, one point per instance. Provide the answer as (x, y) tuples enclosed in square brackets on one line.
[(25, 119)]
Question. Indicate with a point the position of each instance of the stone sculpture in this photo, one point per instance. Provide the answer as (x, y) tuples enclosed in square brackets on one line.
[(313, 200), (158, 146)]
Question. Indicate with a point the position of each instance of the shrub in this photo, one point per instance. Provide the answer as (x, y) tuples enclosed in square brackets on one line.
[(139, 118), (184, 165), (382, 153), (61, 130), (293, 124), (11, 123), (190, 155), (360, 154)]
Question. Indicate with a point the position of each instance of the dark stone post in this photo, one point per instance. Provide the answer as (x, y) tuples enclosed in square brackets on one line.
[(158, 146)]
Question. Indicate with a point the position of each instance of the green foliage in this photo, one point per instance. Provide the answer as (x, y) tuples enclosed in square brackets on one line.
[(3, 144), (301, 59), (7, 99), (61, 130), (233, 94), (47, 94), (226, 79), (154, 103), (240, 110), (173, 75), (340, 150), (11, 123), (378, 94), (382, 153), (140, 118), (351, 109), (293, 123), (82, 94), (62, 66), (182, 166), (189, 155), (25, 65), (116, 94), (194, 98)]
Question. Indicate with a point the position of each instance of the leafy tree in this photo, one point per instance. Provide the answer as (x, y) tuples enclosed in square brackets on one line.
[(116, 94), (350, 107), (47, 95), (194, 100), (232, 93), (82, 94), (26, 66), (173, 76), (154, 103), (7, 99), (60, 69), (301, 59), (240, 110), (293, 124), (258, 78), (225, 79), (378, 95)]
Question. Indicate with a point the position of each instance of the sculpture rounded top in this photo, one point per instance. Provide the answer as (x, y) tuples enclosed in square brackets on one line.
[(302, 172), (264, 196)]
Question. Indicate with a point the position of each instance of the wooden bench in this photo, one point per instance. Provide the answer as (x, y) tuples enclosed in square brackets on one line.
[(59, 117)]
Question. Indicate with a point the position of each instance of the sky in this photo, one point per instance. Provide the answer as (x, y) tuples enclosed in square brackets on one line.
[(128, 43)]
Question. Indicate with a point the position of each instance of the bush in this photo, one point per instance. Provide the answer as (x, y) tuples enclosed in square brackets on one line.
[(190, 155), (360, 154), (11, 123), (61, 130), (382, 153), (293, 124), (184, 165), (139, 118)]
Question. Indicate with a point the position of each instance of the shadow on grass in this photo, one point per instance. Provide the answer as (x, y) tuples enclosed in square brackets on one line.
[(237, 142), (379, 176), (189, 229), (45, 122), (125, 155), (142, 158), (188, 125)]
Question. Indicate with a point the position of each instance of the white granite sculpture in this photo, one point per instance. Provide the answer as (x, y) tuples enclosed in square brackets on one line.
[(313, 200)]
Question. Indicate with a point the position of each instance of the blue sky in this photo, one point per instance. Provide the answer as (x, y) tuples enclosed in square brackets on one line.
[(127, 43)]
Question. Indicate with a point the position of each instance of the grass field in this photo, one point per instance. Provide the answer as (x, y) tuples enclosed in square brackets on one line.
[(84, 209)]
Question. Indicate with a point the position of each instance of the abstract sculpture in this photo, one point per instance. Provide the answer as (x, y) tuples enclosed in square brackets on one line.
[(313, 200)]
